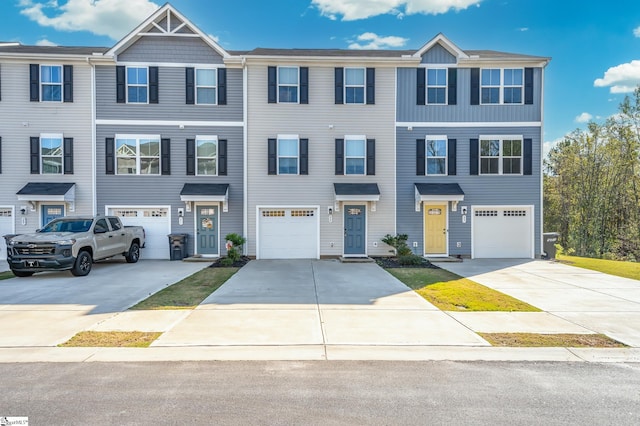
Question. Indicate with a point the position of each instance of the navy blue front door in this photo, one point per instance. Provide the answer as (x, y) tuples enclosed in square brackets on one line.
[(207, 233), (50, 212), (354, 229)]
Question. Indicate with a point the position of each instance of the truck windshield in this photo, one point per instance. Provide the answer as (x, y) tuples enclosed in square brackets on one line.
[(67, 225)]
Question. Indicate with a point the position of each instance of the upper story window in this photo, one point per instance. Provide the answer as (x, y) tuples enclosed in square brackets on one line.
[(436, 155), (288, 154), (437, 86), (288, 84), (502, 86), (355, 155), (51, 154), (500, 155), (137, 85), (137, 154), (354, 85), (207, 155), (206, 86), (51, 83)]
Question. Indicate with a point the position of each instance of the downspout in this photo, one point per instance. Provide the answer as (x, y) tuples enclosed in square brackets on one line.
[(245, 156), (541, 236), (93, 138)]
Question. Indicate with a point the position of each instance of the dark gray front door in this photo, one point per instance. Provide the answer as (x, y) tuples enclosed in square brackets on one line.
[(50, 212), (354, 229), (207, 234)]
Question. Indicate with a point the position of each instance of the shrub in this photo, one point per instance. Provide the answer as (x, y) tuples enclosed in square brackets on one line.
[(410, 259), (234, 248), (399, 244), (562, 251)]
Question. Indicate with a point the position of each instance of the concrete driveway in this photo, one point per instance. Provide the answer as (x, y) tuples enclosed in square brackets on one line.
[(579, 297), (50, 307)]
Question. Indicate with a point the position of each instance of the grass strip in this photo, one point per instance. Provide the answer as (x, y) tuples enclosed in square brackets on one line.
[(533, 340), (188, 293), (112, 339), (611, 267), (450, 292), (6, 275)]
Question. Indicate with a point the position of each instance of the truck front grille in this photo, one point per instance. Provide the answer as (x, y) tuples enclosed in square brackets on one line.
[(37, 250)]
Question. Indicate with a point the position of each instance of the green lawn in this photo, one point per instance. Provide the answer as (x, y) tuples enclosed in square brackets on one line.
[(451, 292), (188, 293), (6, 275), (612, 267)]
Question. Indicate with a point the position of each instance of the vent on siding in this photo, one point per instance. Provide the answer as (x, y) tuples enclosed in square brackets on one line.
[(272, 213), (6, 213), (125, 213), (302, 213), (156, 213), (486, 213), (514, 213)]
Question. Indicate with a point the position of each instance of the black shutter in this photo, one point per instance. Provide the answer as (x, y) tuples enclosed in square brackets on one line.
[(339, 83), (453, 86), (473, 156), (304, 156), (272, 156), (528, 86), (421, 88), (67, 83), (272, 77), (153, 85), (475, 86), (0, 154), (0, 83), (420, 157), (304, 85), (189, 86), (451, 157), (165, 156), (191, 157), (34, 83), (121, 84), (35, 155), (109, 155), (527, 151), (222, 86), (222, 157), (68, 156), (339, 156), (371, 86), (371, 157)]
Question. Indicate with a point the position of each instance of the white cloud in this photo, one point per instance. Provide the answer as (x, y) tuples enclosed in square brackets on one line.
[(636, 32), (585, 117), (622, 78), (374, 41), (361, 9), (523, 29), (112, 18), (45, 42)]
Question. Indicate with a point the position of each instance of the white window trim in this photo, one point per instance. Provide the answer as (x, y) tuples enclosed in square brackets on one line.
[(501, 138), (355, 138), (207, 137), (137, 138), (437, 86), (296, 137), (52, 136), (127, 84), (287, 84), (501, 87), (426, 154), (364, 86), (195, 84), (61, 84)]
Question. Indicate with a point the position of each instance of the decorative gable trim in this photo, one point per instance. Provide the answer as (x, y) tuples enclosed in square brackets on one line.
[(444, 42)]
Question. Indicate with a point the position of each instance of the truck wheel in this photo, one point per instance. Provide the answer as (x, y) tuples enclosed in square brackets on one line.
[(83, 264), (134, 253), (22, 273)]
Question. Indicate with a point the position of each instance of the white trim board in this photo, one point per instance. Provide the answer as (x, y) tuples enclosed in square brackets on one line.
[(105, 122), (453, 124)]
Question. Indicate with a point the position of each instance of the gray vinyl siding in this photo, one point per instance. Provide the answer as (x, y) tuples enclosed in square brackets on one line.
[(408, 111), (438, 55), (478, 190), (21, 119), (180, 50), (164, 190), (171, 96), (312, 121)]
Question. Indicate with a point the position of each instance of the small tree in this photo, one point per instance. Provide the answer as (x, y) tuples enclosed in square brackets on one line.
[(399, 244), (234, 247)]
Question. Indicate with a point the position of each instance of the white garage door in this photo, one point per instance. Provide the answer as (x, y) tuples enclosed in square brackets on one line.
[(504, 232), (290, 233), (156, 227), (6, 227)]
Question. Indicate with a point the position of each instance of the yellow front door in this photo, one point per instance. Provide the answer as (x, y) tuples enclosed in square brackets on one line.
[(435, 229)]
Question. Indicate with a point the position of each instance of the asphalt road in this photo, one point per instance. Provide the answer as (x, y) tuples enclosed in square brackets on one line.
[(327, 393)]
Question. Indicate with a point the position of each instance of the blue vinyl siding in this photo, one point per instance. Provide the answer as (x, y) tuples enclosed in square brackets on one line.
[(438, 55)]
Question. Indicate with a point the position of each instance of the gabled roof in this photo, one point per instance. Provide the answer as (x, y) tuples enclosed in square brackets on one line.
[(356, 53), (443, 41), (166, 21)]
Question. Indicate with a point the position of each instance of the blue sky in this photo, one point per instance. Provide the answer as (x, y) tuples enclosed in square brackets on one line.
[(595, 46)]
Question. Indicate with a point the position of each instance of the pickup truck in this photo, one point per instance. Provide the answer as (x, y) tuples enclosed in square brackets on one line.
[(73, 243)]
